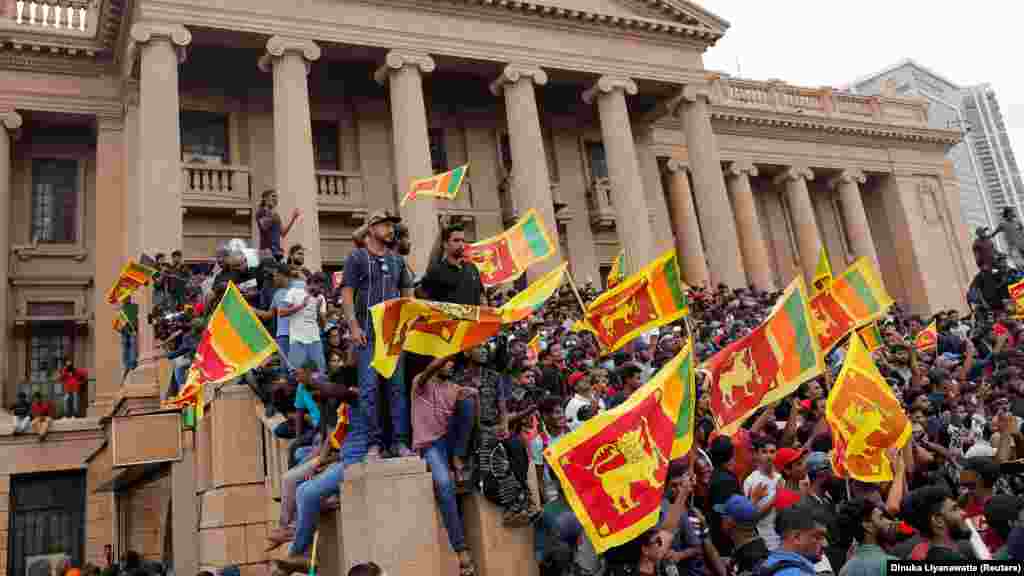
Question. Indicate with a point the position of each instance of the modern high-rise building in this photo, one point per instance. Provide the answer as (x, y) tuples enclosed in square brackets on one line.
[(990, 142), (983, 162)]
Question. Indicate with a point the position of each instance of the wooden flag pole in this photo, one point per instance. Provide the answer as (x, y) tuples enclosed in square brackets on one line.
[(312, 557), (579, 299)]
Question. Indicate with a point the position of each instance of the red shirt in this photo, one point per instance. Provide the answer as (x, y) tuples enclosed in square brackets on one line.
[(1000, 330), (73, 380), (975, 512), (41, 408)]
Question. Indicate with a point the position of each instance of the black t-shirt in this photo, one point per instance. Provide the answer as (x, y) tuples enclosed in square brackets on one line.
[(723, 485), (445, 282), (748, 556), (943, 554)]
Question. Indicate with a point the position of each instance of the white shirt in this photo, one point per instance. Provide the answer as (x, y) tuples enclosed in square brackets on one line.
[(572, 410), (766, 526), (302, 326)]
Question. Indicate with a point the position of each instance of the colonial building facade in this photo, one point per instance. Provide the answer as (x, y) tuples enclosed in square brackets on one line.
[(135, 126)]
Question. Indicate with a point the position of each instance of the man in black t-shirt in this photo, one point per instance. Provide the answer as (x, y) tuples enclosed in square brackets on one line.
[(452, 278), (723, 484), (739, 524)]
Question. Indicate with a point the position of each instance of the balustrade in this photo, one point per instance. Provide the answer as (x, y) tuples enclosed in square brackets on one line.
[(57, 14), (216, 185), (342, 191), (781, 97)]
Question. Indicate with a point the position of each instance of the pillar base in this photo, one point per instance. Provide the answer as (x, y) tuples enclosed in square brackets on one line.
[(385, 507), (497, 550)]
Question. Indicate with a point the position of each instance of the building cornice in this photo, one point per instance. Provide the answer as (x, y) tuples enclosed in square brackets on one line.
[(97, 43), (836, 126)]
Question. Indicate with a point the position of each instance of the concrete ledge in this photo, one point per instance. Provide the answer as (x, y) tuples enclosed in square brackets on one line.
[(386, 510), (497, 550)]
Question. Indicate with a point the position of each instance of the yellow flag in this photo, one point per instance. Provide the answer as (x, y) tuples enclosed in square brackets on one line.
[(822, 273)]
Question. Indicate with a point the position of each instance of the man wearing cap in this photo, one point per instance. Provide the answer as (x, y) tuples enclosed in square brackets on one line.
[(789, 462), (372, 275), (819, 472), (584, 396), (739, 523)]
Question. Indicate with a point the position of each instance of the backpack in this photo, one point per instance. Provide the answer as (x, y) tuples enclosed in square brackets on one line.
[(765, 570)]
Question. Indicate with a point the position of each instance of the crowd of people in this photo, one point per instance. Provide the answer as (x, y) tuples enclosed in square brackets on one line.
[(762, 501)]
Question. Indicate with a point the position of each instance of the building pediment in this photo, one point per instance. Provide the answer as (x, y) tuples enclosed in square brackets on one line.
[(671, 17)]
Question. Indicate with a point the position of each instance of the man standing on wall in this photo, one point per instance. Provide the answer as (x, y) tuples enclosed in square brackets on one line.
[(372, 275)]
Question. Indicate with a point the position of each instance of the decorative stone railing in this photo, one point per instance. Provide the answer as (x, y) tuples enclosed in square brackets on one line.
[(775, 95), (340, 191), (216, 185), (71, 15)]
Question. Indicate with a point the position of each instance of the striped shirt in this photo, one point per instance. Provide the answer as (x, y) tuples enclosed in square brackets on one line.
[(374, 279)]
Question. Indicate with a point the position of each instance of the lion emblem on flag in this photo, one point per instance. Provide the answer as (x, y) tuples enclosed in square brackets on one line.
[(640, 466)]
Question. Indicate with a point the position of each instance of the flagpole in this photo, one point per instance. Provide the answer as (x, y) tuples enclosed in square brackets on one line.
[(579, 299)]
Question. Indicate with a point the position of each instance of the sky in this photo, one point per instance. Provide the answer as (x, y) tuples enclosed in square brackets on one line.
[(832, 43)]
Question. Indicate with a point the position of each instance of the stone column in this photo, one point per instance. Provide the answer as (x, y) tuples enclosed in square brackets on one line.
[(161, 48), (403, 70), (532, 183), (10, 121), (848, 184), (748, 225), (631, 217), (688, 242), (109, 256), (294, 168), (801, 213), (713, 205)]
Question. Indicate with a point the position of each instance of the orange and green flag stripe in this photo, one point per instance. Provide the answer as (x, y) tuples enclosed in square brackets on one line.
[(445, 185), (860, 291), (618, 265), (528, 241), (666, 285), (871, 335), (682, 370), (791, 328), (237, 335)]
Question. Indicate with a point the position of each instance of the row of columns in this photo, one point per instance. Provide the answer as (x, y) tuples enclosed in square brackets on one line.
[(734, 219)]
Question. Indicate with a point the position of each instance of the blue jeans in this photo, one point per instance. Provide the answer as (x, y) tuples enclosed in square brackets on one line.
[(283, 345), (369, 379), (454, 443), (326, 483), (129, 351), (300, 352), (559, 519), (72, 404)]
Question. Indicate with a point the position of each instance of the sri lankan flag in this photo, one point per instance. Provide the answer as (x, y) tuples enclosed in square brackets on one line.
[(860, 291), (1017, 295), (871, 336), (533, 347), (652, 297), (615, 274), (444, 185), (133, 276), (613, 467), (233, 343), (440, 329), (504, 258), (867, 417), (341, 428), (766, 365), (927, 339), (127, 317), (822, 272), (852, 300)]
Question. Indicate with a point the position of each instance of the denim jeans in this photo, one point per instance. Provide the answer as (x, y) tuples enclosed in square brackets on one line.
[(326, 483), (437, 454), (369, 380), (301, 352), (283, 345), (129, 351), (72, 404), (559, 519), (290, 482)]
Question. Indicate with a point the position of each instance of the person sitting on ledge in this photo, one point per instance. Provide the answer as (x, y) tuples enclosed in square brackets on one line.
[(443, 414)]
